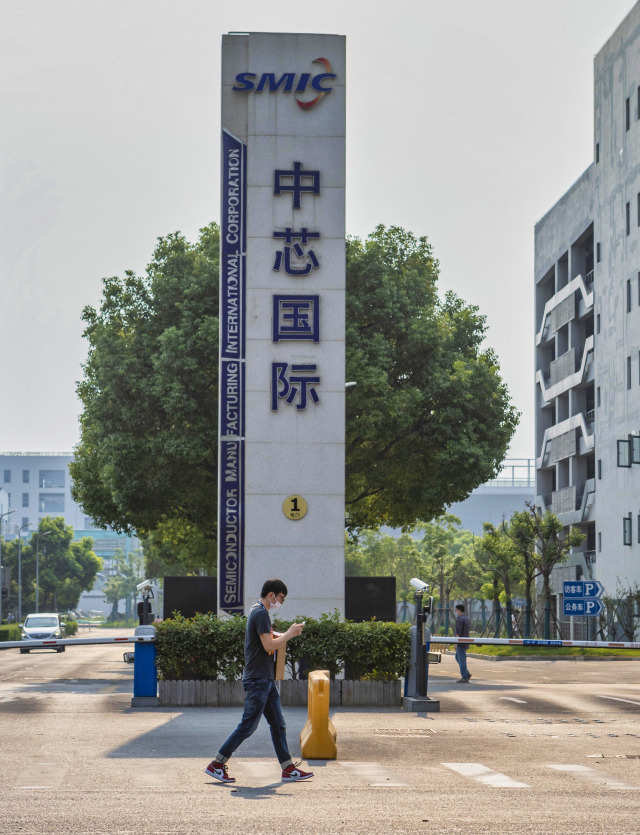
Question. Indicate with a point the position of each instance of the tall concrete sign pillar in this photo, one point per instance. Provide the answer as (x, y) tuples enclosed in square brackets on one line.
[(282, 321)]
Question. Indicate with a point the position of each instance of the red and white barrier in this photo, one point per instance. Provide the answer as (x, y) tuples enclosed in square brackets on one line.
[(68, 642), (531, 642)]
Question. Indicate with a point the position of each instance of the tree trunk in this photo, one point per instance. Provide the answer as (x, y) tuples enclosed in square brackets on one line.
[(507, 591), (546, 591), (496, 607)]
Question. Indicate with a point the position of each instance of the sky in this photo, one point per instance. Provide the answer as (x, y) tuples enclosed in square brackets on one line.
[(466, 122)]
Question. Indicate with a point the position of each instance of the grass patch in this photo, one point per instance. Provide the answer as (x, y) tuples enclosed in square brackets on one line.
[(553, 652)]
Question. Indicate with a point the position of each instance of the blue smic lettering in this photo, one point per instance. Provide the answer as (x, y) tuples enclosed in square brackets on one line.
[(268, 80), (286, 83), (243, 79), (316, 82)]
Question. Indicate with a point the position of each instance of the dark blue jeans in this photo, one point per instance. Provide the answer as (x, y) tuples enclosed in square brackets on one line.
[(261, 697), (461, 658)]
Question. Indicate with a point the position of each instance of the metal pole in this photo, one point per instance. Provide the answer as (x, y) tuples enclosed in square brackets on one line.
[(38, 535), (20, 569), (2, 515), (421, 669)]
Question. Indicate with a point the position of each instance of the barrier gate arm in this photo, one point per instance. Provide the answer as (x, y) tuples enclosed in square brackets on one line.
[(68, 642), (534, 642)]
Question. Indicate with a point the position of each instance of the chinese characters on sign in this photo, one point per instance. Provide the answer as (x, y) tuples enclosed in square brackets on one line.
[(295, 317)]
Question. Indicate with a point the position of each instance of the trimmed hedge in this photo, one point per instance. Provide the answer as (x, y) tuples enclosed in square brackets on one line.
[(10, 632), (70, 628), (206, 648)]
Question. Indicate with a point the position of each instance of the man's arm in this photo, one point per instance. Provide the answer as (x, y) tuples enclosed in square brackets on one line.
[(269, 642)]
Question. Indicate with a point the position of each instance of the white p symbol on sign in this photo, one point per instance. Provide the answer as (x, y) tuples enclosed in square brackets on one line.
[(589, 589), (589, 606)]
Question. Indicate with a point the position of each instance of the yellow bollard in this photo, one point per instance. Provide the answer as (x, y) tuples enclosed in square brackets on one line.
[(318, 737)]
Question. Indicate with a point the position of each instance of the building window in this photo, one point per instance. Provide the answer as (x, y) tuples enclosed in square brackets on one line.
[(51, 478), (599, 542), (628, 295), (627, 210), (638, 521), (627, 114), (628, 372), (598, 323), (599, 468), (7, 476), (25, 500), (627, 530), (639, 208), (624, 453), (25, 476), (634, 440), (25, 521), (598, 252), (51, 502), (597, 152), (598, 396)]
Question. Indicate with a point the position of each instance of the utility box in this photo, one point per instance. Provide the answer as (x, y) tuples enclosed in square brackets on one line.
[(189, 595), (370, 597)]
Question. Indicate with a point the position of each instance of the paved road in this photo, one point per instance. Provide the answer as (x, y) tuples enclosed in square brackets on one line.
[(528, 747)]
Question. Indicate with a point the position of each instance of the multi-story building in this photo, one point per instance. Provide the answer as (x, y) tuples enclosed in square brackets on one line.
[(38, 484), (587, 334)]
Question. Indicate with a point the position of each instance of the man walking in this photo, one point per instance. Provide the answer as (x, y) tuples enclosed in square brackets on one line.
[(463, 624), (261, 695)]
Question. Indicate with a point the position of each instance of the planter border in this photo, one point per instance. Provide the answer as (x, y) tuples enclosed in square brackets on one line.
[(221, 693)]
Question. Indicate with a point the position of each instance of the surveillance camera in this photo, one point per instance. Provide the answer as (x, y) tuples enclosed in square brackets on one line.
[(145, 584), (418, 585)]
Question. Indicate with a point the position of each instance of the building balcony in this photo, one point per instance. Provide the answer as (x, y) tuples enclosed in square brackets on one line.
[(567, 371), (558, 308), (554, 450), (572, 505)]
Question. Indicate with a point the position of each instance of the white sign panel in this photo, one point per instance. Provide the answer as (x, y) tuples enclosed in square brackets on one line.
[(282, 328)]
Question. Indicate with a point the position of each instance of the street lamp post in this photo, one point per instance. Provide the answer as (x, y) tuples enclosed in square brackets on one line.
[(20, 569), (2, 515), (38, 535)]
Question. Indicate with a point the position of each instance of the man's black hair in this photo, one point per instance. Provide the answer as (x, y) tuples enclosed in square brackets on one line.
[(274, 585), (460, 606)]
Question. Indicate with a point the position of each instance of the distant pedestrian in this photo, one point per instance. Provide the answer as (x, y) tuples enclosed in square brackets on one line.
[(261, 694), (463, 625)]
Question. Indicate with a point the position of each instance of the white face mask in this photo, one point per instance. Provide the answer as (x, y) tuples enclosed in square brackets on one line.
[(276, 605)]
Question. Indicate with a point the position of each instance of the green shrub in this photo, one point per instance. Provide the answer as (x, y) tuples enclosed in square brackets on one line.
[(206, 648), (201, 647), (70, 627), (10, 632)]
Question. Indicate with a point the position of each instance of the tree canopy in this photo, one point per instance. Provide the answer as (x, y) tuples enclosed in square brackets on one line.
[(428, 420), (147, 457), (430, 417), (66, 568)]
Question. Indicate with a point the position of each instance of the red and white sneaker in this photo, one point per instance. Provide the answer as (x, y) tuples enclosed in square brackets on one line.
[(293, 772), (219, 772)]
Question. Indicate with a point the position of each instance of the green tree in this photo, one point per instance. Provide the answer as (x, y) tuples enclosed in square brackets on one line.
[(447, 567), (66, 568), (147, 457), (521, 533), (429, 420), (547, 543), (430, 417), (122, 585), (503, 561), (375, 554)]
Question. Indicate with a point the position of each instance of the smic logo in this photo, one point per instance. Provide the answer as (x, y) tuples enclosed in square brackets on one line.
[(247, 82)]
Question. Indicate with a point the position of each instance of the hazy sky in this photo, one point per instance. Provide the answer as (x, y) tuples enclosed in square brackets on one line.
[(466, 121)]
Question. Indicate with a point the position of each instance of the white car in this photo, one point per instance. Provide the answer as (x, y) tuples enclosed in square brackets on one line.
[(44, 626)]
